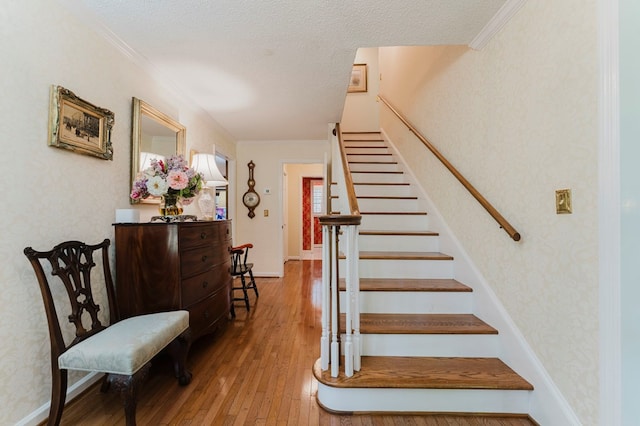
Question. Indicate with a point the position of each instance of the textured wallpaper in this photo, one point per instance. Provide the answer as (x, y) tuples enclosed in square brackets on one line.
[(519, 120), (52, 195)]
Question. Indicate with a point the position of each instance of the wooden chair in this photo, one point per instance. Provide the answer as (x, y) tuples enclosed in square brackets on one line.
[(240, 268), (123, 350)]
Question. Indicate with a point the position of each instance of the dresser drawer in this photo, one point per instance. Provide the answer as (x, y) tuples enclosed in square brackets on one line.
[(203, 233), (203, 285), (206, 315), (201, 259)]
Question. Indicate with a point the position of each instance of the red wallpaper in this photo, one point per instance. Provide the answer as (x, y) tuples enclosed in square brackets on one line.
[(306, 216), (306, 213)]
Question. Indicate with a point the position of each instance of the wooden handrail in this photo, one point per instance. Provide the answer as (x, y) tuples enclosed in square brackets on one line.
[(351, 193), (488, 207)]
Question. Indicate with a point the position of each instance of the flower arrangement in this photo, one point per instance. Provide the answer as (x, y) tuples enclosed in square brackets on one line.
[(170, 178)]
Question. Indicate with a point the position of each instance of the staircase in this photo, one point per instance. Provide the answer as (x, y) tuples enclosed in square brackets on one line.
[(423, 348)]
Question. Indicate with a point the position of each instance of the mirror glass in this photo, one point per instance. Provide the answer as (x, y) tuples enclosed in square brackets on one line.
[(154, 135)]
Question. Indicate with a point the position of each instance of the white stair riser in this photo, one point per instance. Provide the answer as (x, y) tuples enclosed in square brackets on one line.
[(395, 222), (378, 177), (366, 149), (391, 167), (356, 136), (431, 345), (388, 205), (363, 141), (423, 400), (399, 243), (407, 302), (384, 190), (376, 268), (369, 157)]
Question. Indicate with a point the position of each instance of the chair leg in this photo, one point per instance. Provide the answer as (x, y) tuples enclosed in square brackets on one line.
[(244, 290), (232, 309), (128, 387), (104, 387), (178, 349), (58, 396), (253, 283)]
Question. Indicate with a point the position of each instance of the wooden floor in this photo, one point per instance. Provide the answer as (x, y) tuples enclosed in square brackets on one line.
[(256, 371)]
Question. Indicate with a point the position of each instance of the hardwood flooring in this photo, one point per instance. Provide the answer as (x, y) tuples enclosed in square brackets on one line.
[(255, 371)]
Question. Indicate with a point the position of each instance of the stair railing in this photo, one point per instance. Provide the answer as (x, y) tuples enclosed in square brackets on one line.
[(504, 224), (333, 227)]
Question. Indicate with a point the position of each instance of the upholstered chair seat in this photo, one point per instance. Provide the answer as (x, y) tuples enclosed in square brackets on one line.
[(126, 346)]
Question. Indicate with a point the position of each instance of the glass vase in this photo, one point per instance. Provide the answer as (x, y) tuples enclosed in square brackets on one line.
[(170, 205)]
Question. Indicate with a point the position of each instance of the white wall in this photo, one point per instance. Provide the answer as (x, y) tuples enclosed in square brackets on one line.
[(52, 195), (361, 112), (519, 120), (265, 232)]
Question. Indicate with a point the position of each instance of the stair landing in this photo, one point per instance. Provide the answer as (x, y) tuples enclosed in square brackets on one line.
[(427, 372)]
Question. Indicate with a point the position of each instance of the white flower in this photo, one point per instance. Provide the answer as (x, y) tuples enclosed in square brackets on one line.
[(157, 186)]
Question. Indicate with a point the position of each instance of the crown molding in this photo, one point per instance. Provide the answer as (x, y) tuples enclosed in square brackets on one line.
[(499, 20)]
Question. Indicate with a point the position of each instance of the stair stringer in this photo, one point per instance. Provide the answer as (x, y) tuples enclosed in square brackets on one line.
[(547, 405)]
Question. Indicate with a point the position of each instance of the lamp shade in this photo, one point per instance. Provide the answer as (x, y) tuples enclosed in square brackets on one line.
[(206, 164)]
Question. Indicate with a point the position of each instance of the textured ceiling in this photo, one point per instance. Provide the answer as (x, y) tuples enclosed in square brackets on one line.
[(276, 69)]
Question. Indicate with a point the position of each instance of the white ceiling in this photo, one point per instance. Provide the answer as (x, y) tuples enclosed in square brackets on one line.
[(278, 69)]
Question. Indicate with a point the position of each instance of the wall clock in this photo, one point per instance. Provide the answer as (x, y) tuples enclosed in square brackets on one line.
[(251, 199)]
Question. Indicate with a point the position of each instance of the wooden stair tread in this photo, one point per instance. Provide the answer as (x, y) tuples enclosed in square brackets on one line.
[(383, 183), (369, 153), (410, 284), (403, 255), (364, 132), (397, 213), (372, 162), (385, 172), (427, 373), (400, 233), (385, 197), (371, 323)]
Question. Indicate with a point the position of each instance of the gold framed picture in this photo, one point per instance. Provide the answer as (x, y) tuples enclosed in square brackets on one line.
[(358, 80), (79, 126)]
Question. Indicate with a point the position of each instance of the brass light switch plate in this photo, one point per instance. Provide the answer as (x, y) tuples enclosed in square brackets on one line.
[(563, 201)]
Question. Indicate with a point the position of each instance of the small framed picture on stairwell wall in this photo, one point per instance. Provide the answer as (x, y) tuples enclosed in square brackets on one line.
[(358, 81)]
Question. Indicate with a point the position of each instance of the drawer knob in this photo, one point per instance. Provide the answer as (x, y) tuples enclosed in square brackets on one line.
[(203, 235), (204, 258), (205, 284)]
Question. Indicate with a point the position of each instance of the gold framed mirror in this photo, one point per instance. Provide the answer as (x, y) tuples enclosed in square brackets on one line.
[(153, 135)]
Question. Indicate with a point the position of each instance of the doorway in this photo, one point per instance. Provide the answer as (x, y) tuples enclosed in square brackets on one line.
[(312, 209), (299, 220)]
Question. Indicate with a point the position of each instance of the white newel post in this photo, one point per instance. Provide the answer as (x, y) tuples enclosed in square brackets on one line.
[(353, 284), (326, 277), (335, 343)]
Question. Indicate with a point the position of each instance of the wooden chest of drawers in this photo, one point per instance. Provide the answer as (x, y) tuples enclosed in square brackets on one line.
[(184, 265)]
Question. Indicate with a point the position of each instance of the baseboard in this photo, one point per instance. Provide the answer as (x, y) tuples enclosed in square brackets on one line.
[(42, 413)]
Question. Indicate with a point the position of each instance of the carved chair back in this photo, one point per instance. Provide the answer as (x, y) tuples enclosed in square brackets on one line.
[(72, 262)]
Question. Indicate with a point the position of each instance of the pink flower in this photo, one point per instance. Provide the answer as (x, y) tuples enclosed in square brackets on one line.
[(177, 180)]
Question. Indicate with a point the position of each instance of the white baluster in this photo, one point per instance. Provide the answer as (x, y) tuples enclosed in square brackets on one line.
[(326, 281)]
